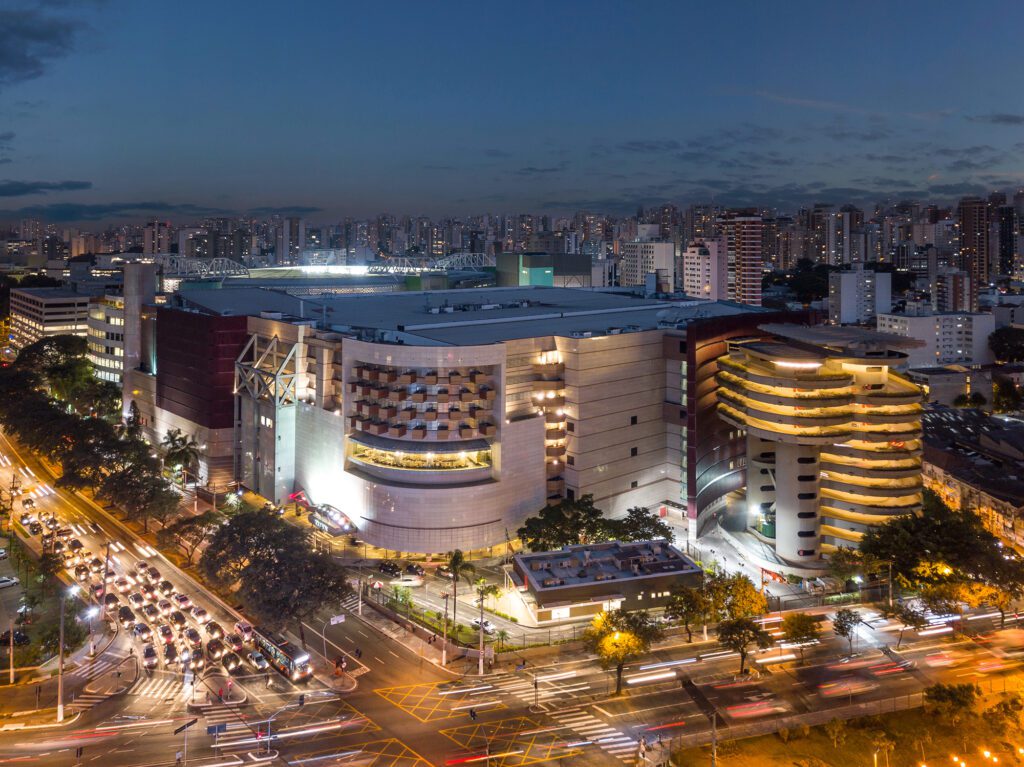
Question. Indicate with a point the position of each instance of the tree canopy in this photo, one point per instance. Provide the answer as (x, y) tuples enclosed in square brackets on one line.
[(1007, 344), (189, 532), (619, 637), (569, 523), (739, 634)]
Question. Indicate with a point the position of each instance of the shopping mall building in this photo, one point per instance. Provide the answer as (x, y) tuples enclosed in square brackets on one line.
[(443, 419)]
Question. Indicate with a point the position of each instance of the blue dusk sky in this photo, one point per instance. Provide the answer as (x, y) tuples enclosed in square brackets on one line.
[(122, 110)]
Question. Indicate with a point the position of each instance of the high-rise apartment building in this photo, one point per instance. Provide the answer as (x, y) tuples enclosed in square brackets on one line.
[(947, 338), (950, 290), (706, 268), (844, 236), (156, 238), (856, 295), (648, 255), (742, 231), (973, 218), (833, 441)]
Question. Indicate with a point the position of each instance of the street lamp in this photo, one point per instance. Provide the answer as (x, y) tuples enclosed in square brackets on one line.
[(444, 646), (70, 592), (91, 613)]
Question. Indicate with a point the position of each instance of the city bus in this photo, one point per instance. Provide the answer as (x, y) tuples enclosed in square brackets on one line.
[(291, 661)]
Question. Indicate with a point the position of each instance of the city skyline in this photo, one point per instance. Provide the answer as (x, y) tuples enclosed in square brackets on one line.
[(112, 112)]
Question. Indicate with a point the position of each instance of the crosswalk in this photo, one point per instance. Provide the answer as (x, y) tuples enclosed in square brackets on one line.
[(158, 688), (351, 603), (223, 715), (596, 732), (87, 700), (97, 668)]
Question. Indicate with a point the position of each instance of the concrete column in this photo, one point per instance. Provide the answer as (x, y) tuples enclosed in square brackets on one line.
[(797, 524), (760, 477)]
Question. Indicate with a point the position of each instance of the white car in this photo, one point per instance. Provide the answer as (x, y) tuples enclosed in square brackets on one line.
[(409, 581), (7, 581), (199, 615), (485, 624)]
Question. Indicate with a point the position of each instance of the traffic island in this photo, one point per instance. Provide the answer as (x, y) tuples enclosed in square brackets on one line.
[(117, 681), (217, 691)]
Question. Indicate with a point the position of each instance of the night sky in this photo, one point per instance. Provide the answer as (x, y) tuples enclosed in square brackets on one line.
[(122, 110)]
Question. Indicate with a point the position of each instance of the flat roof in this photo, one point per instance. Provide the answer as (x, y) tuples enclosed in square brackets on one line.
[(247, 302), (610, 563), (51, 293), (840, 335)]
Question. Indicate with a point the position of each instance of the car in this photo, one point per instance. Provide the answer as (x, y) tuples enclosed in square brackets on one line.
[(98, 590), (444, 572), (192, 637), (408, 581), (414, 569), (152, 574), (214, 630), (166, 588), (66, 533), (215, 649), (110, 576), (149, 656), (48, 538), (20, 638), (234, 641), (486, 625), (95, 528), (165, 632), (199, 615), (3, 553), (230, 661), (74, 544), (182, 601), (245, 629), (69, 560), (389, 568), (196, 661), (170, 654), (96, 565), (151, 613), (135, 600), (26, 518), (81, 573), (6, 581), (177, 619), (165, 607), (141, 565), (125, 617), (121, 584), (57, 546), (149, 592), (35, 528), (110, 600), (257, 661), (143, 632)]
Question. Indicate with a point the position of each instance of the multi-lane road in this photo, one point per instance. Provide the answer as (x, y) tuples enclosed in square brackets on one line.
[(405, 711)]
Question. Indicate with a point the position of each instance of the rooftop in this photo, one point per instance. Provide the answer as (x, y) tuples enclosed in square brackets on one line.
[(50, 293), (840, 336), (598, 562)]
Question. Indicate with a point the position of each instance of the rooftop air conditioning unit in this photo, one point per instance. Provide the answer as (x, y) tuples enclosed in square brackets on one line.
[(581, 333)]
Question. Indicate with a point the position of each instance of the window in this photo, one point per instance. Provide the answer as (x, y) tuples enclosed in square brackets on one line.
[(806, 533), (766, 488), (632, 420), (570, 460), (806, 496), (570, 426), (805, 552), (805, 459), (632, 451), (634, 484), (767, 504), (267, 422), (570, 494), (807, 514), (806, 477), (764, 471)]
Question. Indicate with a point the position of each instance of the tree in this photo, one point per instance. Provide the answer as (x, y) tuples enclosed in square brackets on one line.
[(911, 617), (564, 524), (688, 605), (189, 533), (734, 596), (845, 623), (800, 629), (460, 568), (252, 539), (181, 452), (50, 565), (1006, 397), (738, 634), (952, 702), (619, 637), (837, 732), (501, 637), (483, 591), (639, 524), (883, 744), (1007, 344)]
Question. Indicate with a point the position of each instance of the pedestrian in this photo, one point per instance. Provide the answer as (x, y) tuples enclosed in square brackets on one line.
[(220, 694)]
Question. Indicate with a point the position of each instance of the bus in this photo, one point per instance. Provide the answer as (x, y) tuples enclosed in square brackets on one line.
[(289, 660)]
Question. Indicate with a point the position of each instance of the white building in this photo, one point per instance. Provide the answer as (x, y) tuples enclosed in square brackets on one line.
[(646, 255), (40, 312), (951, 337), (705, 269), (106, 338), (858, 295)]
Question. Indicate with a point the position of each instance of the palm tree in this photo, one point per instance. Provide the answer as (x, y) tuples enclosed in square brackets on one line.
[(459, 567), (483, 590), (181, 451), (502, 636)]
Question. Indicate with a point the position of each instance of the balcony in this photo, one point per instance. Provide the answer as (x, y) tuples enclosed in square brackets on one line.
[(555, 485), (429, 415), (477, 377), (443, 432), (442, 395), (488, 429), (371, 374), (554, 434), (418, 432), (553, 469), (407, 377), (407, 414), (454, 414), (388, 376), (388, 412), (352, 387), (380, 392), (365, 390), (487, 395), (455, 377), (554, 451), (548, 369), (397, 430), (429, 378), (376, 427), (551, 402), (552, 384), (396, 395), (467, 396), (418, 396), (466, 432)]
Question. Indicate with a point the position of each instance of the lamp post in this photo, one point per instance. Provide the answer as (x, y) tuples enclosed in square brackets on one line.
[(444, 646), (71, 591), (91, 614)]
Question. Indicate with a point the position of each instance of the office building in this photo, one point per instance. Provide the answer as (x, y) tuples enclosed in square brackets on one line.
[(951, 290), (973, 217), (706, 269), (42, 312), (743, 239), (952, 337), (114, 334), (648, 255), (833, 441), (857, 295)]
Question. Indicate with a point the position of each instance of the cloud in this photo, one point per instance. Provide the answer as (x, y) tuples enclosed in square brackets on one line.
[(439, 167), (853, 134), (496, 153), (6, 138), (295, 210), (650, 146), (5, 160), (532, 170), (960, 189), (891, 159), (818, 104), (998, 118), (964, 165), (68, 211), (24, 188), (29, 41), (965, 151)]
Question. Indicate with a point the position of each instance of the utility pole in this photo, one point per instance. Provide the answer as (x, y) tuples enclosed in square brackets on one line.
[(60, 664), (444, 646), (10, 651), (890, 583), (714, 738), (480, 659)]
